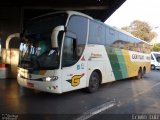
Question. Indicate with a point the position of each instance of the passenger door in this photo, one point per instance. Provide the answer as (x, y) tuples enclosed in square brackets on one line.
[(73, 57)]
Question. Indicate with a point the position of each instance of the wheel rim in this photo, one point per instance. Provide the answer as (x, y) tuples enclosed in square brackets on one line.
[(152, 67)]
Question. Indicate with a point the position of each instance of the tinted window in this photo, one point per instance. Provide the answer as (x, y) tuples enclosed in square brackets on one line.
[(75, 40), (110, 36), (69, 52), (96, 33), (156, 55), (123, 41), (78, 26), (46, 24)]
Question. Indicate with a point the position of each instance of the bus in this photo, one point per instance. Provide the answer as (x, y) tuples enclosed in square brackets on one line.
[(155, 60), (66, 51)]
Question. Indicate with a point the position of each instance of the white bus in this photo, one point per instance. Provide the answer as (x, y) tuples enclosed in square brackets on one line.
[(155, 60), (66, 51)]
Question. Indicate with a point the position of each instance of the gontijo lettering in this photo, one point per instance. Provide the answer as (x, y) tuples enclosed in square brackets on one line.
[(135, 56)]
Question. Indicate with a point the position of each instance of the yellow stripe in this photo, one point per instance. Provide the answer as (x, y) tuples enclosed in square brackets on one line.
[(133, 67), (128, 62)]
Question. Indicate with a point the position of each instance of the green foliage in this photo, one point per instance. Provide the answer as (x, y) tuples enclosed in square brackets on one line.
[(141, 30), (156, 47)]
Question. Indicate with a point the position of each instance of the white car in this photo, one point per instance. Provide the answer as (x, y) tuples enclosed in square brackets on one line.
[(155, 60)]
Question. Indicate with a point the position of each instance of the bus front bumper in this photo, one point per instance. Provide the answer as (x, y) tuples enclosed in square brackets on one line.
[(157, 67), (52, 87)]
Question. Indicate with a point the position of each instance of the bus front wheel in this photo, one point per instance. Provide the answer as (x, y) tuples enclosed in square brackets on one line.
[(153, 67), (94, 82)]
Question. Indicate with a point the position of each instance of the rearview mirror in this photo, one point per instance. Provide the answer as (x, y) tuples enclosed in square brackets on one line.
[(54, 36)]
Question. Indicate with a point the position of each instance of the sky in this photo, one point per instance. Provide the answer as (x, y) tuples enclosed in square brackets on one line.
[(143, 10)]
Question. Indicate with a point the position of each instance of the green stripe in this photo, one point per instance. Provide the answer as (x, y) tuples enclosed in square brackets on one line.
[(117, 62), (114, 62), (122, 63)]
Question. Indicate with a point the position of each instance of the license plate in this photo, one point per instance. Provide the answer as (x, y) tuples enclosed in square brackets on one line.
[(30, 84)]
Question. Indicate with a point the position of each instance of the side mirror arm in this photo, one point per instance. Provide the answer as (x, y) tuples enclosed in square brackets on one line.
[(54, 36)]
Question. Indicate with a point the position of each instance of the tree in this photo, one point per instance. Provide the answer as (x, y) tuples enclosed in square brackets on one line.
[(141, 30), (156, 47)]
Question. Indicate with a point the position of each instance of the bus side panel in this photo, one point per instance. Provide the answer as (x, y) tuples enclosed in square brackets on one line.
[(138, 60), (131, 67), (126, 63), (98, 60), (122, 63)]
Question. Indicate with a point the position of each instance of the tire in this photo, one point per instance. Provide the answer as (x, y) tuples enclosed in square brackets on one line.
[(140, 74), (94, 82), (144, 71), (153, 67)]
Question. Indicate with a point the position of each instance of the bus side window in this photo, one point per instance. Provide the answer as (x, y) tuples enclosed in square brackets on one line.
[(96, 33)]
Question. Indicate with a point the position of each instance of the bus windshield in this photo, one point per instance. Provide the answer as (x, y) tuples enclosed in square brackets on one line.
[(36, 51), (157, 56)]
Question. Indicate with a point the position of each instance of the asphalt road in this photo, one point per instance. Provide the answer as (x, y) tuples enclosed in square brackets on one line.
[(126, 99)]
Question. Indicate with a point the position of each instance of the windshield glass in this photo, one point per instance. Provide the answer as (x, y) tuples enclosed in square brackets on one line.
[(36, 51), (157, 56)]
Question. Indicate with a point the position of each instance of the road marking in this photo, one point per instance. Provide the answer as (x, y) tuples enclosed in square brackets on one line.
[(155, 85), (88, 114), (145, 91)]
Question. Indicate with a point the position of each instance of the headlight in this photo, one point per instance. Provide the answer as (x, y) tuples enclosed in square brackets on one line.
[(48, 79), (52, 78), (18, 75)]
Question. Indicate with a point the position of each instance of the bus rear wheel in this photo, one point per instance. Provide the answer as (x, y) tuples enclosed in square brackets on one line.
[(140, 74), (94, 82)]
